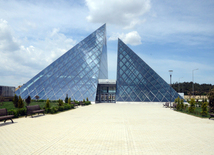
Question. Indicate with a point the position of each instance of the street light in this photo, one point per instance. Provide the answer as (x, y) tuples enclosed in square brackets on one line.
[(179, 84), (170, 73), (193, 81)]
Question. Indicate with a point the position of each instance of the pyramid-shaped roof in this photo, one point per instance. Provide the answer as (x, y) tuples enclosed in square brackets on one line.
[(137, 81), (75, 73)]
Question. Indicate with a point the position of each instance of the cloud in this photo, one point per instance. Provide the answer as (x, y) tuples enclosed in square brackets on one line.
[(120, 12), (28, 61), (7, 42), (132, 38)]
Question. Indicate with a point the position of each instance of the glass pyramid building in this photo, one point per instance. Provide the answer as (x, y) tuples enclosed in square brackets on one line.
[(137, 81), (75, 73)]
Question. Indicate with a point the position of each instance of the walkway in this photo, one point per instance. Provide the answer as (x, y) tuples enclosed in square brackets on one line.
[(109, 129)]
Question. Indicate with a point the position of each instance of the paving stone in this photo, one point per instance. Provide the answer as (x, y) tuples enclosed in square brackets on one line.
[(125, 129)]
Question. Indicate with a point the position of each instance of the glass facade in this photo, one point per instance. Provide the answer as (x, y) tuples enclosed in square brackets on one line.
[(137, 81), (75, 73)]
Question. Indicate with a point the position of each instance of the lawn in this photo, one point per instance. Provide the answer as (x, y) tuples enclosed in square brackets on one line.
[(197, 112)]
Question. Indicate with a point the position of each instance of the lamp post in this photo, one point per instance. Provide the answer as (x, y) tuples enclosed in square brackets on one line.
[(193, 81), (179, 84), (170, 73)]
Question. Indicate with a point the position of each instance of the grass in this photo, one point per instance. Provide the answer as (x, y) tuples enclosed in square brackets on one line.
[(9, 105), (196, 113)]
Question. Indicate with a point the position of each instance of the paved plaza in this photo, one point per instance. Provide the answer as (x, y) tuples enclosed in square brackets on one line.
[(117, 129)]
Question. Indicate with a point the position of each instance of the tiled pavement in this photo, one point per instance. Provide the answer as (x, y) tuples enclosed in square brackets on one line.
[(109, 129)]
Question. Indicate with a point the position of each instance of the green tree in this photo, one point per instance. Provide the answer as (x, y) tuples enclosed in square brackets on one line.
[(211, 100), (69, 100), (204, 110), (60, 102), (86, 99), (28, 100), (192, 106), (47, 105), (15, 101), (20, 103), (66, 99)]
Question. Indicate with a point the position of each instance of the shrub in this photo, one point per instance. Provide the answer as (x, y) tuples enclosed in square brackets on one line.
[(185, 106), (69, 100), (61, 108), (13, 112), (22, 111), (15, 101), (72, 106), (67, 106), (60, 102), (47, 110), (20, 102), (204, 110), (192, 106), (28, 100), (47, 105), (53, 110), (87, 102)]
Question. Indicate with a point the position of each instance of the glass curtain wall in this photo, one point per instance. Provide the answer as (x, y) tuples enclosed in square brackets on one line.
[(137, 81)]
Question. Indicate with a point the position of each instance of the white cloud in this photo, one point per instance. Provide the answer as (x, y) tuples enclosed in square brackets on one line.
[(27, 61), (7, 42), (132, 38), (120, 12)]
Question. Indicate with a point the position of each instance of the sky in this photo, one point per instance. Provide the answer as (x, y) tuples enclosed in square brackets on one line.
[(167, 35)]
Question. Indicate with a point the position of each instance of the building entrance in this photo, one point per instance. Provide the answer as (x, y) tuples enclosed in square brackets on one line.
[(106, 91)]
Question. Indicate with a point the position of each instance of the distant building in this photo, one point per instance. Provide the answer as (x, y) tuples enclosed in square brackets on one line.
[(82, 72), (7, 91)]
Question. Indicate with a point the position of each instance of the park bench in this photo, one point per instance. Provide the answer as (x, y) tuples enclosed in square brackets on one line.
[(34, 109), (82, 103), (166, 105), (174, 106), (211, 115), (4, 116), (75, 104)]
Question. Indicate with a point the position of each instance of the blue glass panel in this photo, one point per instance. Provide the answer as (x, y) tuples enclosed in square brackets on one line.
[(137, 81), (87, 60)]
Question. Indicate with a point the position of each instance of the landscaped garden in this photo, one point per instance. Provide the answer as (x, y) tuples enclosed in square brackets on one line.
[(17, 107), (196, 108)]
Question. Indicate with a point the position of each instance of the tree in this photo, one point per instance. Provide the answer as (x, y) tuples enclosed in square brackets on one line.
[(211, 100), (37, 97), (28, 100), (204, 111), (192, 106), (60, 102), (15, 101), (69, 100), (47, 105), (66, 99), (20, 103)]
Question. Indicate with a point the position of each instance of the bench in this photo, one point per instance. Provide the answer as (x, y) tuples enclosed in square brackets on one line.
[(75, 104), (166, 105), (174, 106), (82, 103), (211, 115), (34, 109), (4, 116)]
